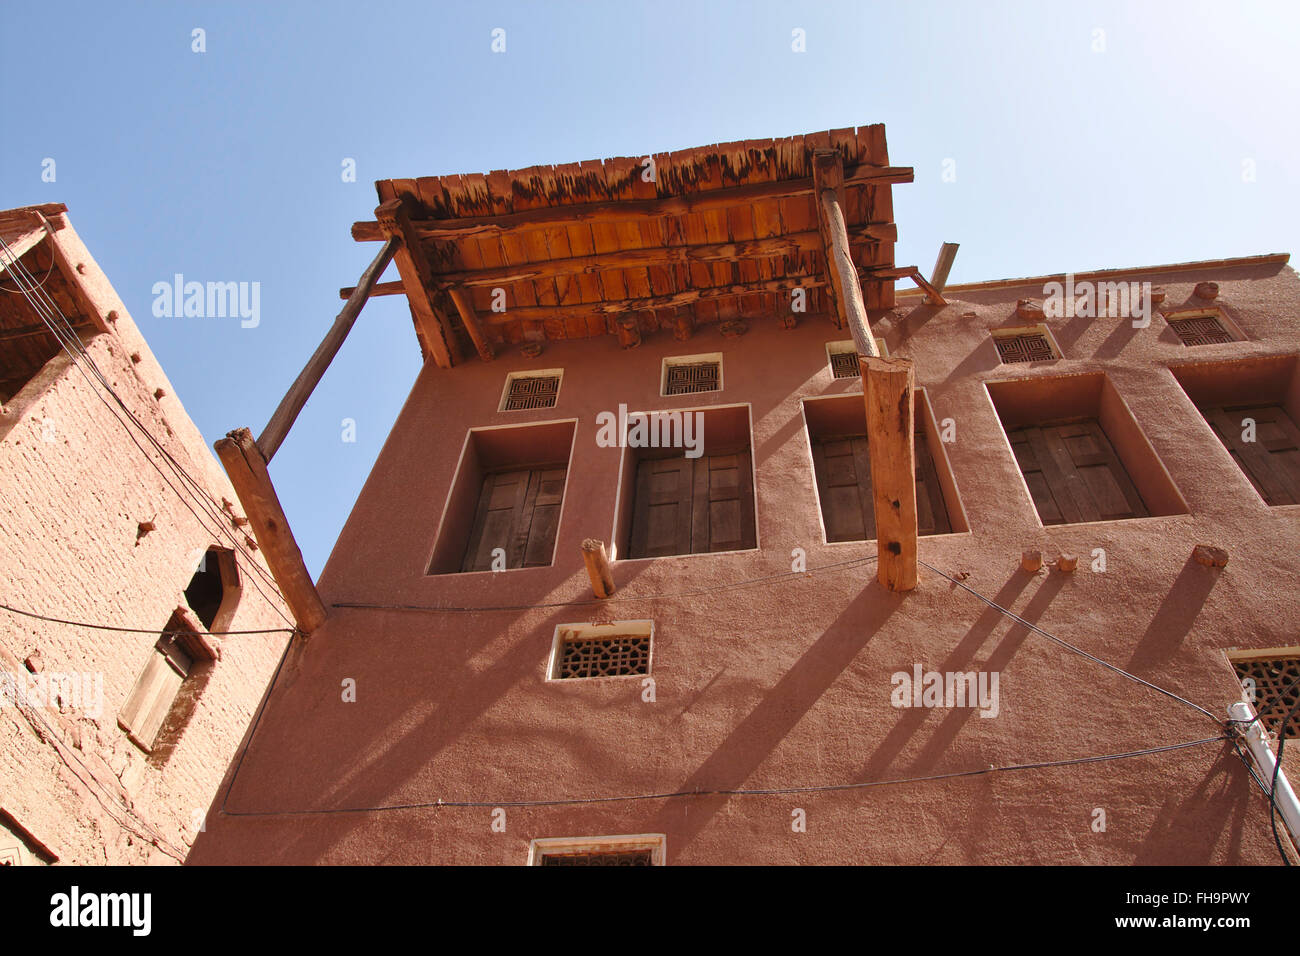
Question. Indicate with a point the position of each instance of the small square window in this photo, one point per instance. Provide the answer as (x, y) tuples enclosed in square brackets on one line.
[(1272, 685), (525, 390), (1204, 329), (690, 374), (617, 649), (646, 849), (844, 357), (1032, 344)]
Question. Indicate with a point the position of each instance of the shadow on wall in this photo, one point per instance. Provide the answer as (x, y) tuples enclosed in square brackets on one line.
[(755, 737), (1174, 618)]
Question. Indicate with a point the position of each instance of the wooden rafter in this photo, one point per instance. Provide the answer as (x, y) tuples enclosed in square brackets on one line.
[(434, 329), (460, 298)]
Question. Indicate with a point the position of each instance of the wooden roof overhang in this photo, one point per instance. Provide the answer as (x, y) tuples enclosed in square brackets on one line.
[(673, 240)]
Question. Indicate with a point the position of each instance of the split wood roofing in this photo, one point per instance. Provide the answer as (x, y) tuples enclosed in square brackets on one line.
[(712, 234)]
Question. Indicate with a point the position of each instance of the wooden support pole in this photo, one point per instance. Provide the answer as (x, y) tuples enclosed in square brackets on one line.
[(846, 289), (287, 411), (711, 200), (246, 467), (887, 389), (416, 282), (932, 296), (467, 315), (597, 562)]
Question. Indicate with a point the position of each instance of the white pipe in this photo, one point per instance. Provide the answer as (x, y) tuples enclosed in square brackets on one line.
[(1287, 804)]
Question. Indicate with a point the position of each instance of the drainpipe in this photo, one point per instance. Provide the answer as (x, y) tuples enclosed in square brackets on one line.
[(1287, 805)]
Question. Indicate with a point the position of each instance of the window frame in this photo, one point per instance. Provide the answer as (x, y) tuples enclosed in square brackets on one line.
[(542, 847)]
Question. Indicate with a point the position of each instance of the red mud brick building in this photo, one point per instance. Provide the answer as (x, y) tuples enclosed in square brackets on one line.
[(811, 626), (114, 513)]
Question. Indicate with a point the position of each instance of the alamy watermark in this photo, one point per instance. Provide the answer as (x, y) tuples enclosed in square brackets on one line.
[(651, 430), (1098, 300), (921, 688), (211, 300), (84, 692)]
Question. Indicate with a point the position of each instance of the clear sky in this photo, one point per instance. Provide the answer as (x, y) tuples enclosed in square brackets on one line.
[(1083, 135)]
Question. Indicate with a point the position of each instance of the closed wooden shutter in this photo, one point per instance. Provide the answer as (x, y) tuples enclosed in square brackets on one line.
[(1272, 460), (1073, 473), (519, 512), (154, 692), (843, 470), (693, 505)]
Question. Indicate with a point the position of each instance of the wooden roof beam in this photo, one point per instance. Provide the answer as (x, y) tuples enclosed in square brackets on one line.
[(790, 244), (633, 209), (430, 323), (467, 315)]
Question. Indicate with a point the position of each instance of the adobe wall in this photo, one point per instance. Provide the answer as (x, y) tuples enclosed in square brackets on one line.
[(73, 491), (787, 684)]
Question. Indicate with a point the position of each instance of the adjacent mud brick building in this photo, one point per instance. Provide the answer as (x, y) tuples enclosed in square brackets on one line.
[(112, 513), (537, 643)]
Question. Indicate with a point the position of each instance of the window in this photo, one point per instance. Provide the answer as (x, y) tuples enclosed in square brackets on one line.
[(844, 357), (1073, 473), (1271, 681), (1202, 328), (617, 649), (503, 508), (1253, 407), (1080, 451), (1265, 443), (526, 390), (518, 514), (166, 693), (688, 374), (1030, 344), (842, 470), (646, 849)]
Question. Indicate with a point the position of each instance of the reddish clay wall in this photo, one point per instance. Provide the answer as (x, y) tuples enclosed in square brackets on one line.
[(73, 490), (787, 684)]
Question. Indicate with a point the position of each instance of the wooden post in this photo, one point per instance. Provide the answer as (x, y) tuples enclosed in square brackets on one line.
[(246, 467), (597, 561), (287, 411), (887, 389), (942, 266), (846, 290), (460, 297)]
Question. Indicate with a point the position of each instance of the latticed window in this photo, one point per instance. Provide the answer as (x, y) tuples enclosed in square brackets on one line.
[(689, 377), (845, 364), (1274, 686), (603, 651), (1026, 347), (1201, 330), (621, 858), (532, 391)]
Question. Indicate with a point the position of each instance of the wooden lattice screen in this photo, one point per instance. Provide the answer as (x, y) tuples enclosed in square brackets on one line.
[(619, 655), (1202, 330), (1276, 686), (609, 858), (1030, 347), (533, 391), (845, 364), (687, 378)]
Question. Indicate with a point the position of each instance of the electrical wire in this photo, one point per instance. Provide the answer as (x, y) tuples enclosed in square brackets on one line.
[(141, 630), (729, 792)]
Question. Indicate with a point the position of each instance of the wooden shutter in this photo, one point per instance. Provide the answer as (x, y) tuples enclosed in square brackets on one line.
[(1272, 460), (843, 470), (519, 512), (1073, 473), (693, 505), (154, 692)]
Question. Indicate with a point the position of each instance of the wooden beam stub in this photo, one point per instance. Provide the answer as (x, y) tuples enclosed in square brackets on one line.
[(597, 562), (887, 390), (246, 467)]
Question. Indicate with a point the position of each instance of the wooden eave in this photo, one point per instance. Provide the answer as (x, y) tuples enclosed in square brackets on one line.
[(719, 233)]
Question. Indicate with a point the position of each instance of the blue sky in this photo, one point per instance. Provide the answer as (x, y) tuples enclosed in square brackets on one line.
[(1072, 149)]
